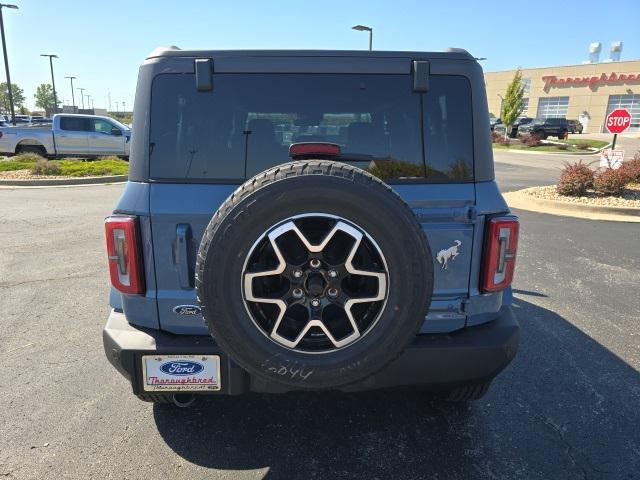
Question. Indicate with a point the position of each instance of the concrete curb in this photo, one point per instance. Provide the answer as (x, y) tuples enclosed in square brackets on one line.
[(572, 154), (522, 201), (64, 181)]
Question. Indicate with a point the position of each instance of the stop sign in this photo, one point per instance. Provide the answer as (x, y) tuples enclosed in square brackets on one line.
[(618, 120)]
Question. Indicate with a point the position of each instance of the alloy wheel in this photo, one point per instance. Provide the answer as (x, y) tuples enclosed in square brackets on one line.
[(315, 283)]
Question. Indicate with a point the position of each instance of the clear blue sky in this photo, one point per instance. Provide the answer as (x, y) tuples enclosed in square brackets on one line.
[(102, 43)]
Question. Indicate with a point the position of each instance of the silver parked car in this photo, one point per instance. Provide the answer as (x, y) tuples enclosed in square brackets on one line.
[(69, 135)]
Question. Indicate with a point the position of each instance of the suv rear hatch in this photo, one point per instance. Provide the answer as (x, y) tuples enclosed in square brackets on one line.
[(415, 134)]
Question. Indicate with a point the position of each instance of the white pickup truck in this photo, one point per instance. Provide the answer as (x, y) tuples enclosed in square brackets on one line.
[(69, 135)]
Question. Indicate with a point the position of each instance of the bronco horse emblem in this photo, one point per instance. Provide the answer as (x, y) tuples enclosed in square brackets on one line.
[(447, 254)]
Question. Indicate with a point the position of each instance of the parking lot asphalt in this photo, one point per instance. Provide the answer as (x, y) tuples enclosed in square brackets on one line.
[(568, 407)]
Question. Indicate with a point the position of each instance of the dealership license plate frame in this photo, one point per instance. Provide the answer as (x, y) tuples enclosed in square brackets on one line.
[(151, 364)]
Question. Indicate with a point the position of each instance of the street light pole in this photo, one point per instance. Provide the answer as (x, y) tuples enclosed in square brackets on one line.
[(73, 97), (6, 62), (81, 95), (53, 81), (88, 97), (364, 28)]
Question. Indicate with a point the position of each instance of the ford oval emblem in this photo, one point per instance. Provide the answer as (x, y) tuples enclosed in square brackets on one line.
[(181, 367), (187, 310)]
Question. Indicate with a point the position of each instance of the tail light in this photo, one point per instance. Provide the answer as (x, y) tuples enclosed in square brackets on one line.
[(314, 149), (500, 253), (123, 249)]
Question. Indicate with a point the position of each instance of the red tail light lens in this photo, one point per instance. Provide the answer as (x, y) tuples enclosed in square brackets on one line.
[(500, 253), (123, 249), (313, 148)]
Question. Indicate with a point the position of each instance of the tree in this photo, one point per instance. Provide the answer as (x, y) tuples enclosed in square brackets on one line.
[(512, 104), (44, 97), (18, 97)]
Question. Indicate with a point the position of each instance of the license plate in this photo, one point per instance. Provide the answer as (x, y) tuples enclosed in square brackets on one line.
[(171, 373)]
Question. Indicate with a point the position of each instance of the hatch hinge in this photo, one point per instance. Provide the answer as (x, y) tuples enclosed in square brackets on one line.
[(420, 76), (204, 74)]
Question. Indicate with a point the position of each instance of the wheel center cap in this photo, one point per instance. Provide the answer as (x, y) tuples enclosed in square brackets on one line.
[(315, 284)]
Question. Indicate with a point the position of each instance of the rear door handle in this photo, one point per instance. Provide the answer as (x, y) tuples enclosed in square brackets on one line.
[(181, 255)]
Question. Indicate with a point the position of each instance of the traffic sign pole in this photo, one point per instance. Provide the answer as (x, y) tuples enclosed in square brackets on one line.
[(613, 144)]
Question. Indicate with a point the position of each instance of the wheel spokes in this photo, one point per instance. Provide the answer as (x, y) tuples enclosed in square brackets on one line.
[(248, 284), (314, 318)]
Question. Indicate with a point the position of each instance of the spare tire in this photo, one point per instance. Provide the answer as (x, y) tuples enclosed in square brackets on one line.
[(314, 274)]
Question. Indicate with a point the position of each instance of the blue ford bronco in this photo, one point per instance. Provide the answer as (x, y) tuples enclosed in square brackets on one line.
[(310, 220)]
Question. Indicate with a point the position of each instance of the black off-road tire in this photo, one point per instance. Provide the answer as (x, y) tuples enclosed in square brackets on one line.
[(467, 393), (298, 188)]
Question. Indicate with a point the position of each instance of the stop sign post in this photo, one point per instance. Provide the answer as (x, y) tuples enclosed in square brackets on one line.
[(617, 122)]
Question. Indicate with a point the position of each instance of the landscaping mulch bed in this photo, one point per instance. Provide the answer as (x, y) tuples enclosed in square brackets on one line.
[(630, 198), (27, 175)]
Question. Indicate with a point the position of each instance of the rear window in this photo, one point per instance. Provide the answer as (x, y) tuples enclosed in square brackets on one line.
[(247, 123), (75, 124)]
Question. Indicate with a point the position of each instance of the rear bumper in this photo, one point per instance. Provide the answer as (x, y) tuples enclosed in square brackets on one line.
[(472, 355)]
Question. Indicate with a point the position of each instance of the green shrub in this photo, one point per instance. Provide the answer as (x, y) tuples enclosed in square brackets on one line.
[(575, 179), (609, 182), (9, 165), (45, 167), (112, 166)]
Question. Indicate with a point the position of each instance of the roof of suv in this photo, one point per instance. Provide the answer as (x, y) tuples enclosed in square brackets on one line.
[(172, 51), (205, 65)]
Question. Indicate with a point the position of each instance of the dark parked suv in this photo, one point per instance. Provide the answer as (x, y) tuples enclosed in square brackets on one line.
[(310, 220), (513, 133), (574, 126), (546, 127)]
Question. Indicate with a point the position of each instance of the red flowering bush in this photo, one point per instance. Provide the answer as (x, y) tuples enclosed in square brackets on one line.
[(631, 169), (499, 139), (575, 179), (533, 140), (609, 182)]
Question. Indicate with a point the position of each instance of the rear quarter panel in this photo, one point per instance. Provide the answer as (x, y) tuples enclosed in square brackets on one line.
[(13, 136)]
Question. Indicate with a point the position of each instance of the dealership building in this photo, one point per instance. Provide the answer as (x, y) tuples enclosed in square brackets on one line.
[(585, 92)]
